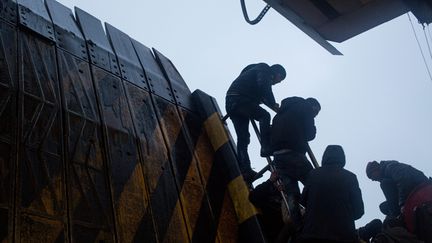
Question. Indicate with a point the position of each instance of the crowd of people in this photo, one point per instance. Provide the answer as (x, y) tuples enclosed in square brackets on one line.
[(331, 199)]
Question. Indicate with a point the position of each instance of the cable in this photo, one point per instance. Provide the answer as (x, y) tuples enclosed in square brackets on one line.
[(427, 42), (421, 51), (260, 16)]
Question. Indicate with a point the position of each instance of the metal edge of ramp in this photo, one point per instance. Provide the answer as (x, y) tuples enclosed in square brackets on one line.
[(249, 227)]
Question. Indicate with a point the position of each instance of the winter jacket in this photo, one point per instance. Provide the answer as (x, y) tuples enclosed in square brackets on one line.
[(333, 200), (255, 84), (267, 198), (293, 126), (406, 177)]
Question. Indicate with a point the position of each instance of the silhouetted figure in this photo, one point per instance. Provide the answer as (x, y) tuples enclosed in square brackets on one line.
[(370, 230), (292, 128), (333, 201), (267, 198), (405, 189), (243, 99)]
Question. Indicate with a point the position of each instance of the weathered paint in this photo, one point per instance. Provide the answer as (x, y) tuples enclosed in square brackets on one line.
[(100, 140)]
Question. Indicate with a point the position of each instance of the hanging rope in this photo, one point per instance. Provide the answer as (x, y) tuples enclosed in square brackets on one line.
[(421, 50), (260, 16)]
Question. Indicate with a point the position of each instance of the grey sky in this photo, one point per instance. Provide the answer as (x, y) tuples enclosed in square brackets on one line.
[(376, 99)]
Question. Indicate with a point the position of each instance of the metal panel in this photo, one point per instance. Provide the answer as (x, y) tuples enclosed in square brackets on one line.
[(8, 126), (230, 177), (155, 162), (34, 16), (201, 218), (100, 51), (68, 35), (181, 91), (89, 194), (155, 78), (8, 11), (40, 229), (42, 184), (172, 225), (130, 67), (127, 181)]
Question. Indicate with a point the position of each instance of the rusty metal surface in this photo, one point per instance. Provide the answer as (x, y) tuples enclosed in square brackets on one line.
[(130, 67), (8, 11), (8, 127), (158, 83), (34, 16), (89, 194), (67, 34), (207, 214), (96, 156), (181, 91), (166, 199), (41, 167), (229, 176), (127, 181), (100, 51)]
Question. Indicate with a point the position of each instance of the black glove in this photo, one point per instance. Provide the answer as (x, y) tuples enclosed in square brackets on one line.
[(370, 230)]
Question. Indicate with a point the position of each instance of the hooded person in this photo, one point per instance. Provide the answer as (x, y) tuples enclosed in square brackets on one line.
[(292, 127), (333, 201)]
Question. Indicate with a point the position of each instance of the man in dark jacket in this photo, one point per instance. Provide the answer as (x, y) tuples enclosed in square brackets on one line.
[(397, 181), (267, 197), (333, 201), (403, 186), (292, 128), (243, 99)]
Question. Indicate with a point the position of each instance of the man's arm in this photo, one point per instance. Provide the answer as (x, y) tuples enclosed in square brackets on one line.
[(356, 199), (264, 83), (310, 129)]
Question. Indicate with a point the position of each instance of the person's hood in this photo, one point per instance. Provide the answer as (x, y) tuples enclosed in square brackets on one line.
[(333, 155)]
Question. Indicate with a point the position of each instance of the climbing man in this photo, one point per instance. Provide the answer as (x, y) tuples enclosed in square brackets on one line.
[(407, 191), (292, 128), (333, 201), (251, 88)]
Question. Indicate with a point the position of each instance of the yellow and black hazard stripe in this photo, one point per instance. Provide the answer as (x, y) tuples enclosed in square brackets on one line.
[(229, 174)]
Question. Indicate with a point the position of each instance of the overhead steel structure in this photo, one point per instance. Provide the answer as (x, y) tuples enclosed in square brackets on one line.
[(339, 20)]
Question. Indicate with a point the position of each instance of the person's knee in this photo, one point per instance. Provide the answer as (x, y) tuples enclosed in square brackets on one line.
[(265, 117)]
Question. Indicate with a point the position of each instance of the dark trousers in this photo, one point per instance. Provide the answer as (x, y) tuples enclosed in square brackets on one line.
[(241, 110), (292, 167)]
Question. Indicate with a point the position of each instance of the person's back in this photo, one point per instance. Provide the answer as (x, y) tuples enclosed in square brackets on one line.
[(333, 201), (406, 177), (253, 83), (293, 125)]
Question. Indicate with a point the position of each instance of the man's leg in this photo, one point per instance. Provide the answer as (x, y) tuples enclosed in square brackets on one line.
[(241, 125), (263, 117), (286, 169)]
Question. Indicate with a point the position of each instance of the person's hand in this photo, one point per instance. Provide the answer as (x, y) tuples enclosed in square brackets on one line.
[(276, 107), (273, 177)]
